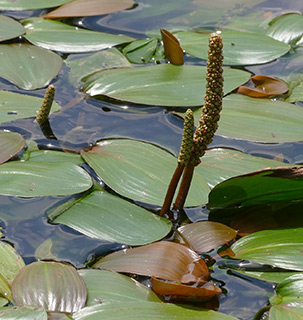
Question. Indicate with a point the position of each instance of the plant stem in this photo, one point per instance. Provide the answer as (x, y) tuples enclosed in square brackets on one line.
[(259, 314)]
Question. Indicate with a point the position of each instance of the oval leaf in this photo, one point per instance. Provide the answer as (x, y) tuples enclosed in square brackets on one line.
[(57, 36), (16, 313), (280, 248), (140, 51), (148, 311), (155, 259), (51, 285), (166, 84), (260, 187), (173, 50), (183, 292), (264, 86), (239, 48), (101, 215), (27, 66), (36, 179), (29, 4), (84, 8), (9, 28), (204, 236), (140, 171), (11, 143), (108, 286), (16, 106)]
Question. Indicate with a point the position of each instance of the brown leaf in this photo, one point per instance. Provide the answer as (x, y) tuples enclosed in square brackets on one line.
[(178, 291), (203, 236), (263, 86), (165, 260), (85, 8), (172, 48)]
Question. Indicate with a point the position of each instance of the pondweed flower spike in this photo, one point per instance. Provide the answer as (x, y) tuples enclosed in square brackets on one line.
[(210, 116), (183, 159), (44, 111)]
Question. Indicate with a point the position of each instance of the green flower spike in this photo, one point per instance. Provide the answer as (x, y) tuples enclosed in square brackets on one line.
[(44, 111)]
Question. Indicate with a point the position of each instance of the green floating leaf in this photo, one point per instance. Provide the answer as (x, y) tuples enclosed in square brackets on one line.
[(57, 36), (84, 8), (102, 215), (239, 48), (27, 66), (3, 302), (52, 285), (16, 106), (260, 187), (296, 94), (287, 28), (140, 171), (36, 179), (218, 165), (105, 59), (20, 313), (10, 144), (163, 84), (259, 120), (29, 4), (10, 263), (280, 248), (148, 311), (140, 51), (10, 28), (291, 311), (107, 286), (55, 156)]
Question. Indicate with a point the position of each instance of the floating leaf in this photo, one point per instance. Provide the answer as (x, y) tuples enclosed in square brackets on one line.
[(29, 4), (101, 215), (10, 263), (10, 28), (140, 51), (259, 120), (148, 311), (296, 94), (16, 106), (206, 235), (155, 259), (173, 50), (140, 171), (287, 28), (5, 289), (291, 311), (108, 58), (54, 156), (27, 66), (84, 8), (280, 248), (11, 143), (58, 36), (178, 291), (36, 179), (239, 48), (259, 187), (16, 313), (107, 286), (166, 84), (264, 86), (52, 285)]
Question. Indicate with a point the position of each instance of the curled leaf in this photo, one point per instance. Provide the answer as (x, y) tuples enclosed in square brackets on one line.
[(173, 50), (178, 291), (263, 86)]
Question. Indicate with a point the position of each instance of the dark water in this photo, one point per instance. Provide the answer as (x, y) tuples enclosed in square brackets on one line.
[(24, 221)]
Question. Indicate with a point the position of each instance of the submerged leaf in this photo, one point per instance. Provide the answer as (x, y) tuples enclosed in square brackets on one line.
[(173, 50), (101, 215), (27, 66), (10, 144), (264, 86), (84, 8), (52, 285), (206, 235), (156, 259), (58, 36)]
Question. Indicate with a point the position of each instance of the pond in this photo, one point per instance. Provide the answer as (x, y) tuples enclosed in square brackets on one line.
[(115, 88)]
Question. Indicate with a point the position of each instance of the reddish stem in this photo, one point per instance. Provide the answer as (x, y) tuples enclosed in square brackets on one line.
[(172, 189), (184, 187)]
